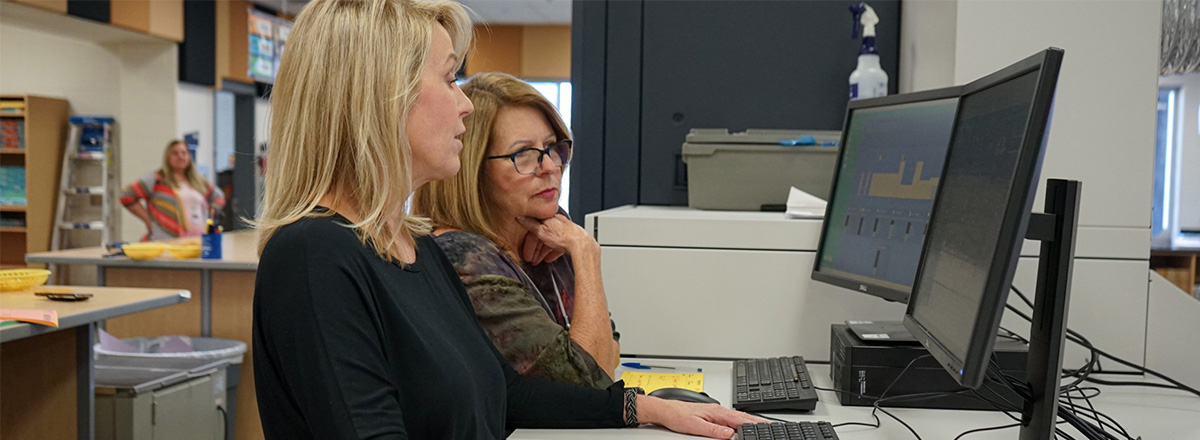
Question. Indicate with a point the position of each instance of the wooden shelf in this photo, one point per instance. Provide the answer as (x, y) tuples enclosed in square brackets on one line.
[(12, 114), (13, 266), (45, 134)]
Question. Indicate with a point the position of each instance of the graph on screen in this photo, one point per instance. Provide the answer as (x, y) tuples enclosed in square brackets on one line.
[(890, 169)]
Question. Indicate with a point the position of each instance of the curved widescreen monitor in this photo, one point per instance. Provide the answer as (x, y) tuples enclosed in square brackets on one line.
[(981, 214), (888, 169)]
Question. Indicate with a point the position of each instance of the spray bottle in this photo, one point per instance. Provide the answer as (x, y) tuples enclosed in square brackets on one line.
[(868, 80)]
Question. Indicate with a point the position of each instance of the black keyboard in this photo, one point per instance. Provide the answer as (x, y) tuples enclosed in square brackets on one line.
[(773, 384), (787, 431)]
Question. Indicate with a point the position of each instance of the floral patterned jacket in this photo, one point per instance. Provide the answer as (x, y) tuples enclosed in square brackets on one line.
[(524, 309)]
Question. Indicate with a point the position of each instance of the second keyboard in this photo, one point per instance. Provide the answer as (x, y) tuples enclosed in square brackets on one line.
[(772, 384)]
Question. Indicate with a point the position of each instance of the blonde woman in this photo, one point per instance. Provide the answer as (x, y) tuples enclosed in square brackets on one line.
[(549, 318), (361, 326), (177, 198)]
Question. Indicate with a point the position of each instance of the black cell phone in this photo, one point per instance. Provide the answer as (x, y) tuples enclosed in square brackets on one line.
[(65, 296)]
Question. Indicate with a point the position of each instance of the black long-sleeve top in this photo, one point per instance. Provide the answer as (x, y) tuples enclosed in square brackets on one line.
[(350, 346)]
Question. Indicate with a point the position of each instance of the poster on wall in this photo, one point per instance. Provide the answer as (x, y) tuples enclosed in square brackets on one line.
[(261, 65), (282, 29)]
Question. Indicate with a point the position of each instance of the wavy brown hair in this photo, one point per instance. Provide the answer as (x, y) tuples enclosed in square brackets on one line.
[(461, 202)]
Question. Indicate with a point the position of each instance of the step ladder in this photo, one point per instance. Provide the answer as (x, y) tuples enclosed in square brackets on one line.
[(87, 184)]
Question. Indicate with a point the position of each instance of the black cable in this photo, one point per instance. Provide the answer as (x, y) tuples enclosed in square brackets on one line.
[(1095, 415), (910, 429), (1116, 428), (1014, 336), (1073, 336), (1079, 374), (1131, 384), (1074, 413), (883, 398), (876, 425), (1095, 392), (993, 428), (906, 397), (883, 395), (224, 420), (1112, 423)]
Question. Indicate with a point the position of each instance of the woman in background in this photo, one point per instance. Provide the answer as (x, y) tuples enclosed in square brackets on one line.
[(178, 200), (498, 220)]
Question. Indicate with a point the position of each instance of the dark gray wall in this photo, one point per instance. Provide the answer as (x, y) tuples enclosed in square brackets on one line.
[(645, 72)]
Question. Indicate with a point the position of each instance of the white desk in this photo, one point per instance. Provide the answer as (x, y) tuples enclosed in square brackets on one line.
[(1152, 413)]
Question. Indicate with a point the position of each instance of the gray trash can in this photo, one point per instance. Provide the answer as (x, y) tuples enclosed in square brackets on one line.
[(149, 354)]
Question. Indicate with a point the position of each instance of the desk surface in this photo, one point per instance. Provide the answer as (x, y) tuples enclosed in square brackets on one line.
[(107, 302), (1151, 413), (238, 249)]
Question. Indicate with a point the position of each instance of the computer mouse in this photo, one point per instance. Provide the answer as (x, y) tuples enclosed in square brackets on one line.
[(683, 394)]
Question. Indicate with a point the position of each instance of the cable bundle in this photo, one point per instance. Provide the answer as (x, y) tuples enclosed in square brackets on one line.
[(1074, 401)]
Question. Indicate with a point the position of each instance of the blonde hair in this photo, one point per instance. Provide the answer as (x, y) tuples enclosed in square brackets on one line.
[(346, 84), (462, 202), (197, 182)]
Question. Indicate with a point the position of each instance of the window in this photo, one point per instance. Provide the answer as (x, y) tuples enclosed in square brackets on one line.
[(1166, 157)]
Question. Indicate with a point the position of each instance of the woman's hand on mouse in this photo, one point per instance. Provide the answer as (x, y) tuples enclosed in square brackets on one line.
[(704, 419)]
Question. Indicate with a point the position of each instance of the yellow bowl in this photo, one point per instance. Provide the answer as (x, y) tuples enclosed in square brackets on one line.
[(22, 279), (184, 251), (143, 251)]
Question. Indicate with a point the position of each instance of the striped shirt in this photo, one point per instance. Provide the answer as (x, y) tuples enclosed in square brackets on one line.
[(167, 216)]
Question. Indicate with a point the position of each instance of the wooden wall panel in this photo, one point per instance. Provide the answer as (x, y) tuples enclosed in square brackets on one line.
[(179, 319), (546, 52), (131, 14), (40, 395), (59, 6), (166, 19), (45, 138), (497, 48), (233, 318), (238, 49)]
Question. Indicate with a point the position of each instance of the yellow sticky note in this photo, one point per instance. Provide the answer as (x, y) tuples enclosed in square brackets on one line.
[(654, 381)]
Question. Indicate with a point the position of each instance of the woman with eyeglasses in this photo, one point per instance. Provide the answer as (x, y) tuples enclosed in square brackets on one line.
[(533, 276), (362, 328)]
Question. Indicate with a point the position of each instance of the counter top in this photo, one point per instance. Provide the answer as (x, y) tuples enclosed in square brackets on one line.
[(238, 249), (107, 302)]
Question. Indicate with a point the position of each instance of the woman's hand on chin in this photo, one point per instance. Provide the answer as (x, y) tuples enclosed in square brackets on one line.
[(535, 252), (555, 235)]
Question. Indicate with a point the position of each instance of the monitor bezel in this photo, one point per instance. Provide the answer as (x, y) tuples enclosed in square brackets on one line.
[(971, 370), (857, 285)]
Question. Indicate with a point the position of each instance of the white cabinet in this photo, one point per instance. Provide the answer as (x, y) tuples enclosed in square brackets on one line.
[(716, 284)]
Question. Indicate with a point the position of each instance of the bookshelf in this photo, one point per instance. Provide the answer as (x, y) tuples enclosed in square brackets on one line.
[(26, 225)]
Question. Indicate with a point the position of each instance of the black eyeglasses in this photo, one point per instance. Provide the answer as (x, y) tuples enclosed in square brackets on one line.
[(529, 160)]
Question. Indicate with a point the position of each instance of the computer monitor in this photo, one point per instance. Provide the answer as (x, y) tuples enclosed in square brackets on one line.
[(888, 169), (981, 215)]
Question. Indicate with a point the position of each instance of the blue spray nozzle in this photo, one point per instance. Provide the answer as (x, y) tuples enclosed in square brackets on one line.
[(856, 12)]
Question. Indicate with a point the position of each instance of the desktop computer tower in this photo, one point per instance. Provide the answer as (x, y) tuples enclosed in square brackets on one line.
[(869, 368)]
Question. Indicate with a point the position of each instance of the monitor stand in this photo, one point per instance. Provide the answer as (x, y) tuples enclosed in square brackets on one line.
[(882, 332), (1056, 230)]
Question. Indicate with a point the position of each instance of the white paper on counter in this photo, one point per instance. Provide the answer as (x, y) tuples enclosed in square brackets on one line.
[(804, 205)]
